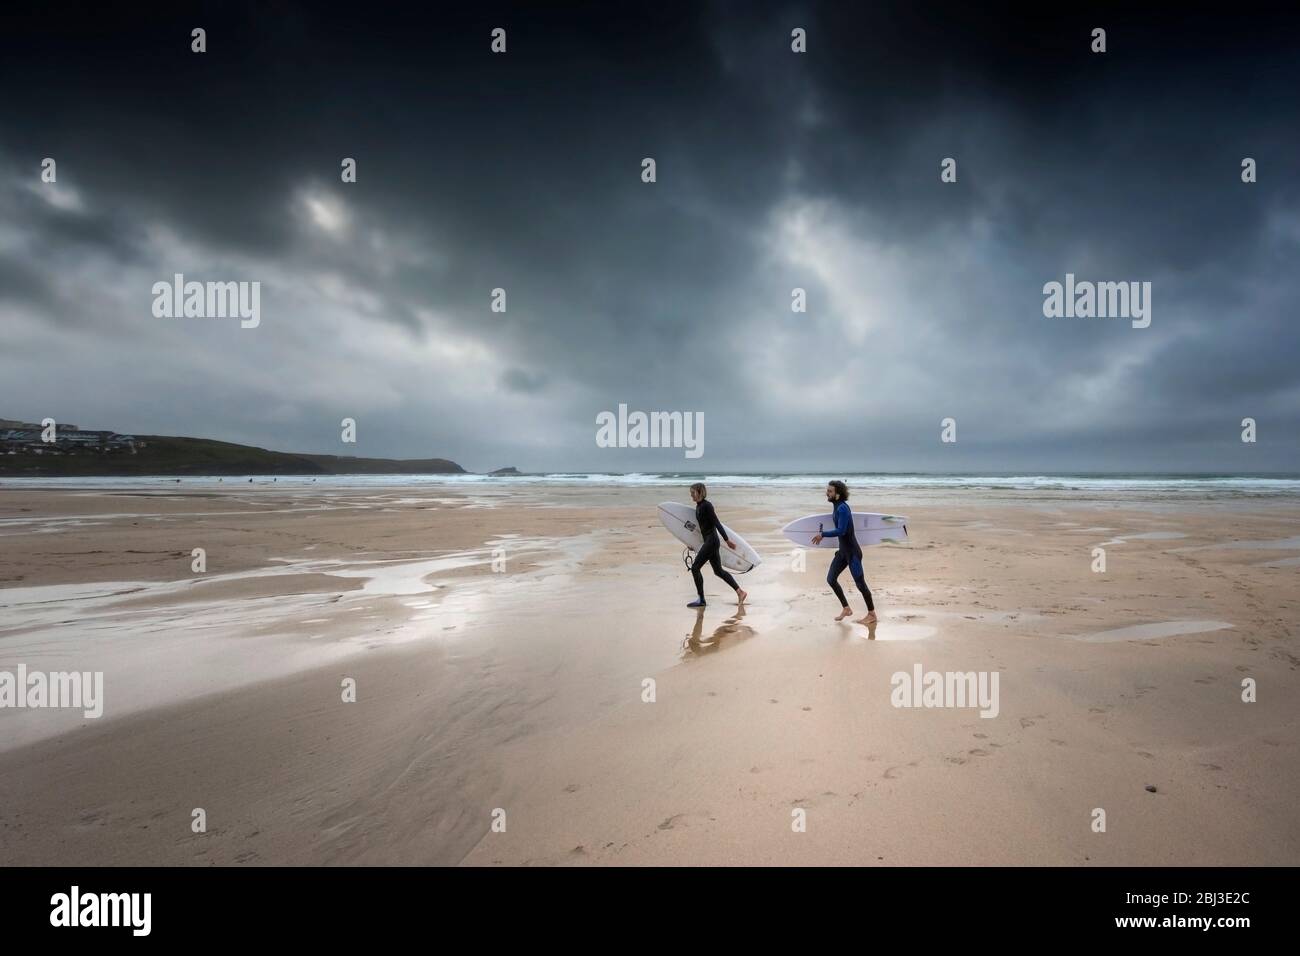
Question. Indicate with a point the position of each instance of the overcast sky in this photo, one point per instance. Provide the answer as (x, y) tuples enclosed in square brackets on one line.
[(775, 170)]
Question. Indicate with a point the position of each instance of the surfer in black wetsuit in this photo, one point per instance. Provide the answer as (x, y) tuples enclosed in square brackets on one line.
[(849, 554), (710, 529)]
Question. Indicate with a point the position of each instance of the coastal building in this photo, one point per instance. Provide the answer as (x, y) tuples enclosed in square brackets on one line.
[(25, 437)]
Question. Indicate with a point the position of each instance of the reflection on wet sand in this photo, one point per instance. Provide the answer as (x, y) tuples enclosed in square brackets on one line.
[(731, 633)]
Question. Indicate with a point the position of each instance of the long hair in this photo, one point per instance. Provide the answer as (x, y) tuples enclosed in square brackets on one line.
[(841, 489), (699, 486)]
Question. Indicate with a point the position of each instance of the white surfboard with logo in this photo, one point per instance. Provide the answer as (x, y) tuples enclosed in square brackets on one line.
[(680, 522)]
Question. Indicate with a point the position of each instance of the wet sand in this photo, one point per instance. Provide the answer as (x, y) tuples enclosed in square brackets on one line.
[(519, 691)]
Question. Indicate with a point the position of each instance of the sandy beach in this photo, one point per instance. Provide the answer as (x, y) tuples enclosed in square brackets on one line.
[(518, 692)]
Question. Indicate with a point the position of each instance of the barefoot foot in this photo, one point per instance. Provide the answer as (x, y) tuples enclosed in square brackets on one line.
[(869, 619), (843, 614)]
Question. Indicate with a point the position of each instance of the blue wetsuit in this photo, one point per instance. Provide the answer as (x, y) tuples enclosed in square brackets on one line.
[(848, 556)]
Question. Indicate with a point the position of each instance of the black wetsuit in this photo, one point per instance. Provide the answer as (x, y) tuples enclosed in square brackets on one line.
[(849, 555), (710, 528)]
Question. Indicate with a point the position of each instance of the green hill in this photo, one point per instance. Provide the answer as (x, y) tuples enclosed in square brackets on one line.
[(163, 455)]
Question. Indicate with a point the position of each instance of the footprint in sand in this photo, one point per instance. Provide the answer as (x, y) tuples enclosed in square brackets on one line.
[(812, 801), (888, 773)]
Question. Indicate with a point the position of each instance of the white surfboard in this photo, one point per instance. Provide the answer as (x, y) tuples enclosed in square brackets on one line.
[(869, 528), (680, 521)]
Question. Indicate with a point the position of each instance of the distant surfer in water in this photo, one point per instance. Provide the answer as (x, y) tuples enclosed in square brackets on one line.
[(710, 529), (849, 554)]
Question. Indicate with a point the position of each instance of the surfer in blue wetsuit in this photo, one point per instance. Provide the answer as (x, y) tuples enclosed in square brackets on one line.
[(849, 554), (710, 529)]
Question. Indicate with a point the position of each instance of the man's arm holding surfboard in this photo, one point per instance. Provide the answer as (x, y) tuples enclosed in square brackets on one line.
[(842, 523), (722, 530), (717, 522)]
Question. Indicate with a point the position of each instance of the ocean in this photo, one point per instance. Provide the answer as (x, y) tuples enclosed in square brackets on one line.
[(1118, 485)]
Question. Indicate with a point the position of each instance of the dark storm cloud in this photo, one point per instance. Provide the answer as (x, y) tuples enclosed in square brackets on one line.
[(775, 170), (517, 380), (24, 284)]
